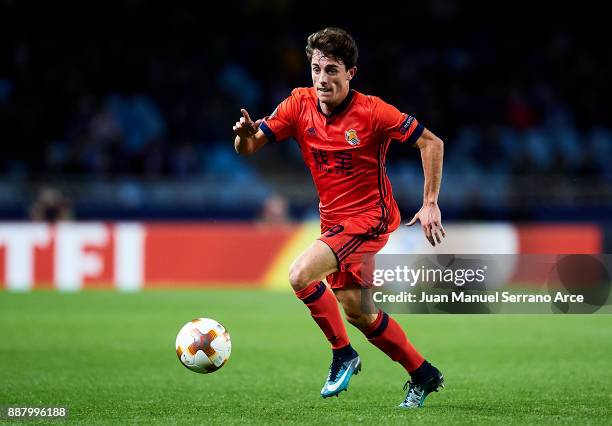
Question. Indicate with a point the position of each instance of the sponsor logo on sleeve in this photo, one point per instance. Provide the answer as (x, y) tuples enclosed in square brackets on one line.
[(406, 124)]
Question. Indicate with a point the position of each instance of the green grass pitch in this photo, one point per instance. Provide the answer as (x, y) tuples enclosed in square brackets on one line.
[(110, 358)]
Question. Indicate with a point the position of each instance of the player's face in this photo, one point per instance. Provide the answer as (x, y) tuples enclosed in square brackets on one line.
[(330, 78)]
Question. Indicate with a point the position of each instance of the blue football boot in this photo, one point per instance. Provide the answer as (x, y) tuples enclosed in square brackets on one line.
[(340, 373), (418, 390)]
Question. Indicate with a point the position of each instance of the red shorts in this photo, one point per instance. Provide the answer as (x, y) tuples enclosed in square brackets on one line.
[(355, 242)]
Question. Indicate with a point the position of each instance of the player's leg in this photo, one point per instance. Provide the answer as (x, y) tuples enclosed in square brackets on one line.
[(386, 334), (305, 276), (380, 329), (314, 264)]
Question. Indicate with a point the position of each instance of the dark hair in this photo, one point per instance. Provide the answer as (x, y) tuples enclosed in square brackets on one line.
[(334, 42)]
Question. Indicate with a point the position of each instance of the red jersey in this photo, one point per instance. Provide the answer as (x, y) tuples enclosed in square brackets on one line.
[(345, 151)]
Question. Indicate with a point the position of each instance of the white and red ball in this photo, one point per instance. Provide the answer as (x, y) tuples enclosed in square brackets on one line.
[(203, 345)]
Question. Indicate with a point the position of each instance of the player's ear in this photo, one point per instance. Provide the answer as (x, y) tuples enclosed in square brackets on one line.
[(351, 73)]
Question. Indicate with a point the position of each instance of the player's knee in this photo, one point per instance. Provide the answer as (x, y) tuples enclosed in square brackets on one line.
[(298, 276), (353, 315), (358, 319)]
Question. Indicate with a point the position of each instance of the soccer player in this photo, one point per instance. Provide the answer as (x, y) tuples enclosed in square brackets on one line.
[(344, 136)]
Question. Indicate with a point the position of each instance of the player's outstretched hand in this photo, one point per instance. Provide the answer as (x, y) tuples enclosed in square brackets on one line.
[(431, 222), (245, 127)]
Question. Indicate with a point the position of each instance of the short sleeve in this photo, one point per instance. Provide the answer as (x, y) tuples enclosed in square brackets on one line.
[(281, 123), (391, 123)]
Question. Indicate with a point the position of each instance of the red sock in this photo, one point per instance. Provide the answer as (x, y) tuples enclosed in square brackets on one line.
[(387, 335), (324, 310)]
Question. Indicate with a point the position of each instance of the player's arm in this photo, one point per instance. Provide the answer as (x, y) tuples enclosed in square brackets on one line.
[(249, 137), (432, 153)]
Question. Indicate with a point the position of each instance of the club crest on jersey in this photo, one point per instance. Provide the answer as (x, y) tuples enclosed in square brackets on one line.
[(351, 137)]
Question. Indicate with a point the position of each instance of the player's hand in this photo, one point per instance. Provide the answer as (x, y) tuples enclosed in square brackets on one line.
[(246, 128), (431, 222)]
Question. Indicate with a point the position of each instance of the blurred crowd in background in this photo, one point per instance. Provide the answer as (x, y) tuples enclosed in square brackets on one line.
[(127, 108)]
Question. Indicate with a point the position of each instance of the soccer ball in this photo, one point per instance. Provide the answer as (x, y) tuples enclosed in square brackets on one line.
[(203, 345)]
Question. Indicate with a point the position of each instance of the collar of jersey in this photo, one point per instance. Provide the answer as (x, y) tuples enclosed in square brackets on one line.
[(343, 105)]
